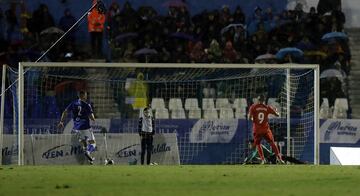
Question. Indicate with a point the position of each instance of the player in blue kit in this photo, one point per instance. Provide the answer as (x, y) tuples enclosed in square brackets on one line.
[(82, 113)]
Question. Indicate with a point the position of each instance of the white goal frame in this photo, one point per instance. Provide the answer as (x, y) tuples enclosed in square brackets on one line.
[(315, 67)]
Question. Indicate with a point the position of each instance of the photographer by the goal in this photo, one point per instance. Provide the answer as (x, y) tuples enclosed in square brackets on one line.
[(146, 131)]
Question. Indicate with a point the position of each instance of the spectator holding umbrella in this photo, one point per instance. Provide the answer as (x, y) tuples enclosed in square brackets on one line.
[(289, 55)]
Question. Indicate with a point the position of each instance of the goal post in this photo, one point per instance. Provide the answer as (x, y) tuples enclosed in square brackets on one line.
[(190, 77)]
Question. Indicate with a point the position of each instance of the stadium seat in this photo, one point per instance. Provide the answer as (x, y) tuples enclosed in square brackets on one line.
[(240, 103), (240, 113), (325, 102), (226, 113), (157, 103), (162, 113), (210, 114), (271, 100), (208, 103), (222, 103), (209, 92), (325, 111), (276, 105), (178, 113), (191, 103), (194, 113), (340, 108), (175, 103)]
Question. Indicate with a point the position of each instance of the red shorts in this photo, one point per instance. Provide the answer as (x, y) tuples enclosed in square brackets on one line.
[(259, 135)]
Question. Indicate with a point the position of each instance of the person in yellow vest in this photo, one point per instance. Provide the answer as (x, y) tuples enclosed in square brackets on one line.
[(96, 21), (139, 91)]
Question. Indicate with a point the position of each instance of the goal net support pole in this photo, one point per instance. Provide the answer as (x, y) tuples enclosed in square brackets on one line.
[(2, 110)]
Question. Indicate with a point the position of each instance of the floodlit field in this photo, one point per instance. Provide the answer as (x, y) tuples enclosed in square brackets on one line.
[(179, 180)]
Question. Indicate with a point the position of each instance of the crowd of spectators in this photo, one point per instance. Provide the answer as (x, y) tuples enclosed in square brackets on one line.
[(143, 35)]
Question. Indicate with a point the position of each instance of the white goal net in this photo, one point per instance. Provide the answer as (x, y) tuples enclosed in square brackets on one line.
[(200, 108)]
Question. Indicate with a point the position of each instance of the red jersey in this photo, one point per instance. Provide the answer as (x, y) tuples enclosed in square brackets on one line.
[(260, 112)]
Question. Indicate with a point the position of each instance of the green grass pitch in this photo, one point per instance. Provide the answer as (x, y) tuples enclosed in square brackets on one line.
[(289, 180)]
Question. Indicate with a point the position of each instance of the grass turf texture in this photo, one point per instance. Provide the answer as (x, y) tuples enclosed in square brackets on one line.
[(179, 180)]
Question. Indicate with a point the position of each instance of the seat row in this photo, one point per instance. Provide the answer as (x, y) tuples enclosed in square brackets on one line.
[(210, 108), (191, 103), (338, 111), (179, 113)]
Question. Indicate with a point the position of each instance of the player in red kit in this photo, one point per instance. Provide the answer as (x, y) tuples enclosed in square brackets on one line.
[(259, 113)]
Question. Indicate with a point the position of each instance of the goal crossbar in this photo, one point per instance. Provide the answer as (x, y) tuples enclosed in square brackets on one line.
[(168, 65)]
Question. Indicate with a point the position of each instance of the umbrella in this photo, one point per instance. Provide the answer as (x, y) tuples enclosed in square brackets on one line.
[(225, 29), (174, 3), (293, 52), (332, 73), (52, 30), (145, 51), (266, 56), (334, 36), (181, 35), (124, 36), (327, 14)]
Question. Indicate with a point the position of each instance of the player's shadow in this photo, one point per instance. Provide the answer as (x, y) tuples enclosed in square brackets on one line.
[(79, 152)]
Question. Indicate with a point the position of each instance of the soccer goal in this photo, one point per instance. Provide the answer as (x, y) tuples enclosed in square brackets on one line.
[(204, 105)]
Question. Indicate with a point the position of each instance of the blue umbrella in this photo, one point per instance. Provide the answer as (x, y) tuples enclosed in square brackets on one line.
[(334, 36), (181, 35), (293, 52), (124, 36)]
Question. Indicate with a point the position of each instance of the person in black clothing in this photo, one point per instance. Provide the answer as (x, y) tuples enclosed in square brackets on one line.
[(146, 132)]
